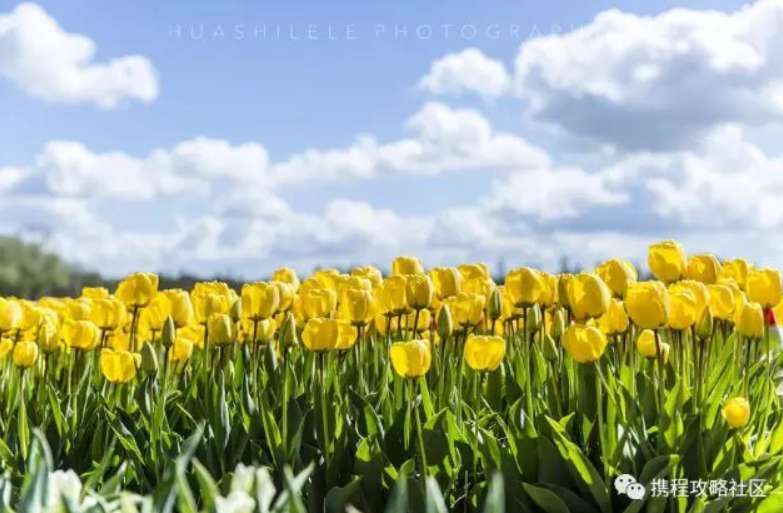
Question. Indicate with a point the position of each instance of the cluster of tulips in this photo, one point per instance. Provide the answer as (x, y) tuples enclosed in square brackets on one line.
[(378, 353)]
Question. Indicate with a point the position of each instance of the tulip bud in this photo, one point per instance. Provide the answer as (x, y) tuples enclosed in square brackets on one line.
[(558, 323), (288, 332), (550, 349), (445, 323), (533, 319), (495, 305), (704, 328), (169, 332), (236, 311), (149, 359)]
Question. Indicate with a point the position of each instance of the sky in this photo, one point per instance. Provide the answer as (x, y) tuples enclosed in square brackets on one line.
[(233, 137)]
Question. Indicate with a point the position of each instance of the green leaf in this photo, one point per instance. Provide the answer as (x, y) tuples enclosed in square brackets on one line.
[(546, 499)]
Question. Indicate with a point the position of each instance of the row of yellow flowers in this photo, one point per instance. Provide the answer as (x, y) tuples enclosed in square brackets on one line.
[(330, 310)]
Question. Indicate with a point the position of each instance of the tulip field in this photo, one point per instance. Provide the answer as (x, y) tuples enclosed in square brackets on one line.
[(425, 390)]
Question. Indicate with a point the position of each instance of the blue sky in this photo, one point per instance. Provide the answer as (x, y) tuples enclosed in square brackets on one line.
[(167, 152)]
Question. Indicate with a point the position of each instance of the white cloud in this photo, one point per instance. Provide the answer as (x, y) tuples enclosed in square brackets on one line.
[(657, 83), (443, 140), (550, 194), (467, 71), (46, 62)]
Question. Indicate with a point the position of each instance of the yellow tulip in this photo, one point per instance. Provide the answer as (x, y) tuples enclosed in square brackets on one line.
[(95, 293), (749, 320), (700, 293), (648, 348), (736, 270), (403, 265), (736, 411), (182, 349), (286, 275), (466, 309), (418, 291), (411, 359), (138, 289), (31, 316), (666, 260), (617, 274), (588, 296), (78, 309), (317, 302), (722, 301), (181, 307), (584, 343), (25, 354), (682, 312), (615, 320), (390, 295), (550, 295), (118, 366), (446, 281), (525, 286), (347, 334), (327, 278), (320, 334), (10, 315), (563, 282), (647, 303), (287, 293), (48, 337), (211, 298), (108, 313), (194, 332), (703, 268), (357, 306), (82, 335), (370, 273), (484, 353), (259, 300), (764, 287), (221, 330), (156, 313)]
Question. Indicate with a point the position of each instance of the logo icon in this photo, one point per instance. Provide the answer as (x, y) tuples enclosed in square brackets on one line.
[(626, 484)]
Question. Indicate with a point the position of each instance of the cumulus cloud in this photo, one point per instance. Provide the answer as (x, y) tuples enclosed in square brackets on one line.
[(467, 71), (657, 83), (45, 61)]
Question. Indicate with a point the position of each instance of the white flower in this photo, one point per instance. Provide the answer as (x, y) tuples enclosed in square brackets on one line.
[(237, 501), (62, 484)]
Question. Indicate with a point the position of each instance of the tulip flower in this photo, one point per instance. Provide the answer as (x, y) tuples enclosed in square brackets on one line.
[(614, 321), (411, 359), (466, 309), (682, 312), (117, 366), (369, 273), (181, 350), (180, 307), (722, 301), (347, 335), (25, 354), (138, 289), (736, 270), (525, 286), (446, 281), (703, 268), (403, 265), (320, 334), (211, 298), (588, 296), (736, 411), (666, 261), (749, 320), (649, 349), (82, 335), (108, 313), (260, 300), (584, 343), (648, 304), (484, 353), (764, 287), (221, 330), (10, 315), (286, 275), (617, 274), (418, 291), (390, 295), (318, 302)]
